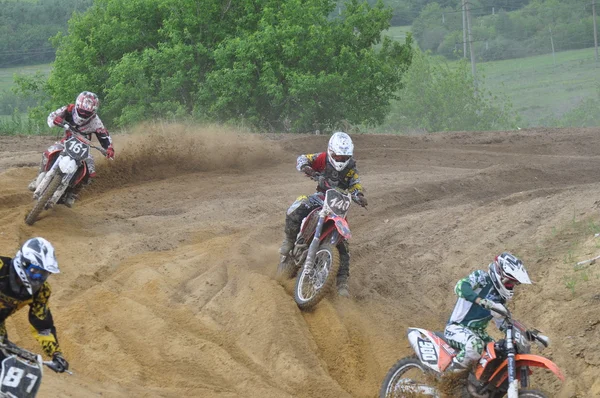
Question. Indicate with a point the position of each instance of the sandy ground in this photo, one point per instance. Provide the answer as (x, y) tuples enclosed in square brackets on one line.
[(167, 263)]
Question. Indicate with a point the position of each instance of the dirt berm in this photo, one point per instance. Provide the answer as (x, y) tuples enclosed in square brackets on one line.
[(166, 286)]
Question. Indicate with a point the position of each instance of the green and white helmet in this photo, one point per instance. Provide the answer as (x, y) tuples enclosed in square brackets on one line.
[(506, 272)]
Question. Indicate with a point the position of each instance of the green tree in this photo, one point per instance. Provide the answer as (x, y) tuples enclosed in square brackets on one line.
[(275, 65), (26, 26), (437, 97), (585, 114)]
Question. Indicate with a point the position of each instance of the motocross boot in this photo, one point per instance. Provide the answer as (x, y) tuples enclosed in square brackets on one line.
[(342, 286), (32, 185), (36, 181), (291, 231), (456, 367), (72, 195), (69, 199)]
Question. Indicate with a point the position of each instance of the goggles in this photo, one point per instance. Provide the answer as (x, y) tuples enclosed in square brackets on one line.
[(510, 283), (84, 114), (341, 158), (35, 273)]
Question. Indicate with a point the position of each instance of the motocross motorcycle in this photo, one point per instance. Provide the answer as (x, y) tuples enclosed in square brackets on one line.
[(22, 371), (65, 169), (315, 257), (503, 369)]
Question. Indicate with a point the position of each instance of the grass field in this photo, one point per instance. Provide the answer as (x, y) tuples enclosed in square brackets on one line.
[(539, 88), (7, 74)]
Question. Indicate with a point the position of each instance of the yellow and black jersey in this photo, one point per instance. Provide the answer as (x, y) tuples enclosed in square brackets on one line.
[(40, 317)]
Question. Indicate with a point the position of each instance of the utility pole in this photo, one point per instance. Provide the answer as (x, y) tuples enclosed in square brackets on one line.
[(464, 15), (552, 44), (473, 67), (595, 29)]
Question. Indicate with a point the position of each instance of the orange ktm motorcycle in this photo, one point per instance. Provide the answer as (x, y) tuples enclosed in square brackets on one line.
[(503, 369)]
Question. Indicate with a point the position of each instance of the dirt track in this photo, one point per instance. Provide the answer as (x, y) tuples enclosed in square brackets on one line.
[(167, 285)]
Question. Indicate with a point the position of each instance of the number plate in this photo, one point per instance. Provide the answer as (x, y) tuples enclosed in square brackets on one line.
[(19, 379), (427, 351), (76, 149), (337, 202)]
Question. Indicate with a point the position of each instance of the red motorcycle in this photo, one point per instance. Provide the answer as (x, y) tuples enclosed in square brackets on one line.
[(503, 369), (65, 169), (315, 257)]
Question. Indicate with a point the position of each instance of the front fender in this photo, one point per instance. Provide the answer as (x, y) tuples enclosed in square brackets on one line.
[(342, 226), (530, 360), (67, 165)]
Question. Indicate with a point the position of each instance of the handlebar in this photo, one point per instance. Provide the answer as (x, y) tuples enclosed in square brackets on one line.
[(322, 180), (533, 335), (12, 348), (53, 366), (75, 131)]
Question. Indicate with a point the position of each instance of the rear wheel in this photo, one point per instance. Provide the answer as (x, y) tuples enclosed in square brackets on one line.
[(408, 378), (532, 394), (41, 203), (314, 283)]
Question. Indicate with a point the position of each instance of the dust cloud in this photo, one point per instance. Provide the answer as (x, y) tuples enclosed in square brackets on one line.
[(157, 151)]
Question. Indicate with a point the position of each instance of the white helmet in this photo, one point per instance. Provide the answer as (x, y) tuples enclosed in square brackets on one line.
[(34, 263), (507, 271), (340, 150)]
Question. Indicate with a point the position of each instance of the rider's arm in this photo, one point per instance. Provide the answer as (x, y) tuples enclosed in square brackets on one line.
[(465, 287), (42, 324), (61, 112), (101, 132), (104, 138), (354, 186), (315, 160), (3, 332)]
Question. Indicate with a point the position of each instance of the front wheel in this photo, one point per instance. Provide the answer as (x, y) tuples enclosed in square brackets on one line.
[(314, 283), (408, 378), (41, 202), (532, 394)]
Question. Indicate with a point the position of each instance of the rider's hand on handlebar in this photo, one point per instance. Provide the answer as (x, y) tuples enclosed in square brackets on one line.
[(309, 171), (361, 200), (322, 182), (110, 152), (58, 121), (60, 363)]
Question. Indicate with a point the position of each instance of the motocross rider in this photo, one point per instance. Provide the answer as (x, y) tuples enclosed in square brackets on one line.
[(479, 294), (82, 115), (338, 167), (23, 282)]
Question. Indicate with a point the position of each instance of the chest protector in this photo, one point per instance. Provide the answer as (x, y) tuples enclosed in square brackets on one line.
[(338, 178), (69, 118)]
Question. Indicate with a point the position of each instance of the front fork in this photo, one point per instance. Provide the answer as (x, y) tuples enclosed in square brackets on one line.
[(513, 382), (314, 245), (43, 185)]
